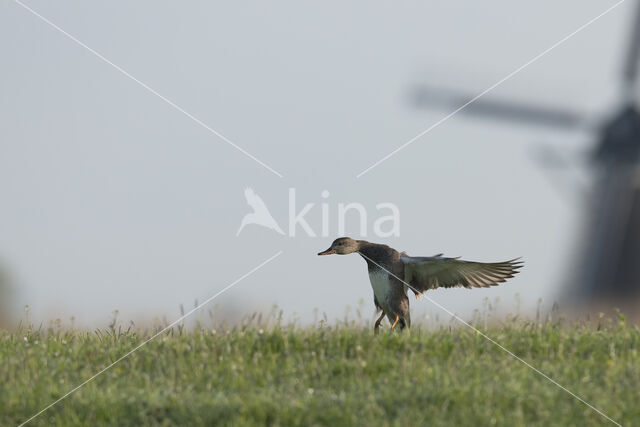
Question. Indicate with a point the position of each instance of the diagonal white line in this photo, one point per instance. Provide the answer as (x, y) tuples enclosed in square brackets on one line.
[(490, 88), (175, 322), (527, 364), (150, 89)]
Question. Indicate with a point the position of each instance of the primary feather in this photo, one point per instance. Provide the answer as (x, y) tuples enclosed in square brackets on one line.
[(424, 273)]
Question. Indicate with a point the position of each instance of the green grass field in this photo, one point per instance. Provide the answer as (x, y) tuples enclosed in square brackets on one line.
[(275, 374)]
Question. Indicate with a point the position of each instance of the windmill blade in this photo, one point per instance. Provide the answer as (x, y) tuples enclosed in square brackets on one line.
[(559, 168), (499, 109), (633, 55), (548, 157)]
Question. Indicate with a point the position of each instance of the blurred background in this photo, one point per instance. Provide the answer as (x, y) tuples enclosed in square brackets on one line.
[(113, 200)]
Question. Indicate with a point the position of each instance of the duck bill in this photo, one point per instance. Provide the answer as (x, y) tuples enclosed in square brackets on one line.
[(327, 252)]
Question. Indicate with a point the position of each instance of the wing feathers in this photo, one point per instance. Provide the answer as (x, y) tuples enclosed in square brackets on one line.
[(424, 273)]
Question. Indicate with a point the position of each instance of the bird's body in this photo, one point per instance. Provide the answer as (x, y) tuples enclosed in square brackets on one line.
[(392, 274), (385, 275), (381, 286)]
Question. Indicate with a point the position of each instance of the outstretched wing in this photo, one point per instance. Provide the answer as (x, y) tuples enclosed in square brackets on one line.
[(424, 273)]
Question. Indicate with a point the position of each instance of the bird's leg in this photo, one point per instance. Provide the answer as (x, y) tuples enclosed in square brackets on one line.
[(396, 322), (377, 326)]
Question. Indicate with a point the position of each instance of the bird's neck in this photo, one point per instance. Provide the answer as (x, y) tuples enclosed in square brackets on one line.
[(363, 244), (368, 249)]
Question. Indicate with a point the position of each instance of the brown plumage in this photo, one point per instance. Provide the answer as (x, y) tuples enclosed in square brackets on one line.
[(391, 273)]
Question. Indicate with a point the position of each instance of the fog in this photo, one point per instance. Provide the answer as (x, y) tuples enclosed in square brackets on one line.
[(117, 196)]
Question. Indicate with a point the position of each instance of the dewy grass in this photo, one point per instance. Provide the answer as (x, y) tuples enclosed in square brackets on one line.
[(267, 372)]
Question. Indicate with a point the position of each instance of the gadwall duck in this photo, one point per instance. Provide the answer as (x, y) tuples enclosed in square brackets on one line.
[(392, 272)]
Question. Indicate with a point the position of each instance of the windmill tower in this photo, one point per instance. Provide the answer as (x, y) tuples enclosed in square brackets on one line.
[(608, 273), (606, 269)]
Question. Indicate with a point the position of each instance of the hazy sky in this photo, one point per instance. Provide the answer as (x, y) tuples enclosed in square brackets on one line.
[(112, 199)]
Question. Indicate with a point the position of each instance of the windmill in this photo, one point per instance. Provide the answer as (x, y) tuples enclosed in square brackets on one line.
[(607, 263)]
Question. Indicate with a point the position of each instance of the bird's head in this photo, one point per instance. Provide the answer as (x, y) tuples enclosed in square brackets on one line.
[(342, 246)]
